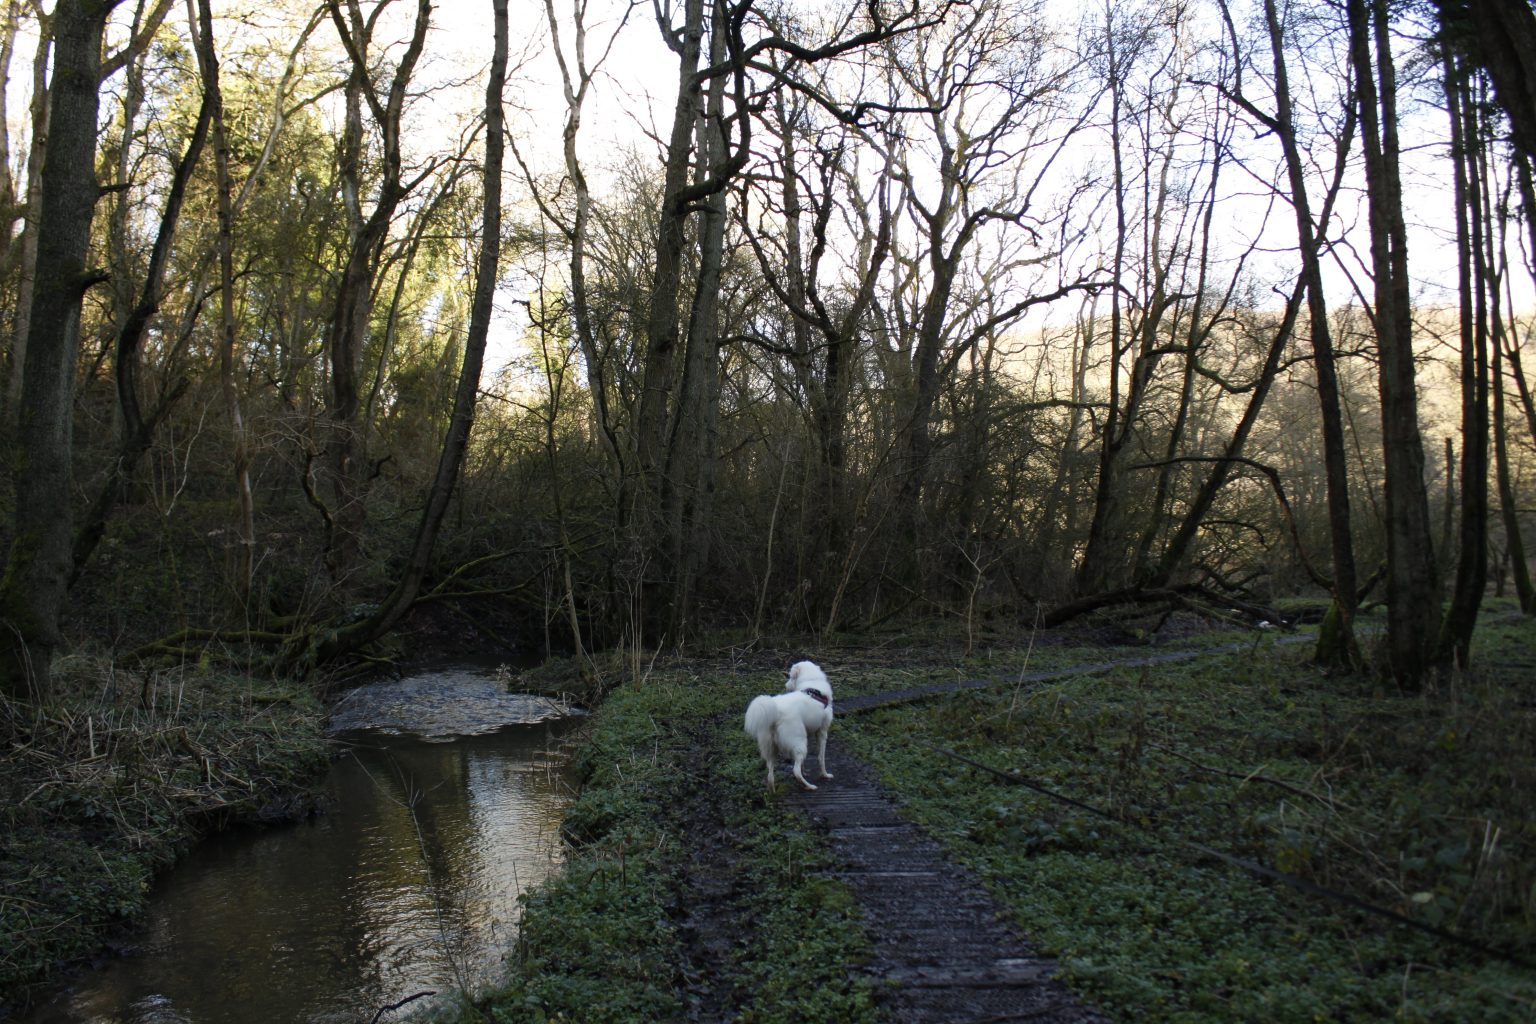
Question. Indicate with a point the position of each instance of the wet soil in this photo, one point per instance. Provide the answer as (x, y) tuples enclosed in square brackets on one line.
[(712, 907)]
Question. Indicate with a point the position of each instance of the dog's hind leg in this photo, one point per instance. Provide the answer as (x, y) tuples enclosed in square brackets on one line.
[(797, 747), (769, 749), (821, 753), (799, 765)]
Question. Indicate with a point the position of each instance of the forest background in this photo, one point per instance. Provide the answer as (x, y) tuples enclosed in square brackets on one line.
[(805, 318)]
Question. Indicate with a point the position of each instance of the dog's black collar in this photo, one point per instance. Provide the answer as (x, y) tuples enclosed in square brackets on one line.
[(818, 696)]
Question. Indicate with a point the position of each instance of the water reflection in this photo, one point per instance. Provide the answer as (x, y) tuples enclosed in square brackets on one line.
[(408, 884)]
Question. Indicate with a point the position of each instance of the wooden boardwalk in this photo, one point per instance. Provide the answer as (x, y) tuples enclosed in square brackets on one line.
[(943, 952), (863, 702)]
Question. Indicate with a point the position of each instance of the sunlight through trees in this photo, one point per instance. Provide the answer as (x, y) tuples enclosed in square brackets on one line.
[(795, 317)]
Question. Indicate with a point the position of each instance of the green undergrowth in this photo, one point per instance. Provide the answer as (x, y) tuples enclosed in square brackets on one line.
[(601, 942), (1422, 804), (117, 776), (805, 934)]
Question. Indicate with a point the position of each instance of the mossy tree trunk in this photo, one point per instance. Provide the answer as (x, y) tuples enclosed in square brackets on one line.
[(40, 558)]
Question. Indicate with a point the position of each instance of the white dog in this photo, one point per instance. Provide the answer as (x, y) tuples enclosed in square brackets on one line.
[(783, 724)]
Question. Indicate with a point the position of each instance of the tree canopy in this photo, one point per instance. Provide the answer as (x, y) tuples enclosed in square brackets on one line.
[(792, 317)]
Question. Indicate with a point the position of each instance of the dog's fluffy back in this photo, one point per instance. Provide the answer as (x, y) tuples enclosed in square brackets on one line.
[(786, 722)]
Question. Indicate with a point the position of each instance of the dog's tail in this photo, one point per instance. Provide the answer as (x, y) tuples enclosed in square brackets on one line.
[(760, 716)]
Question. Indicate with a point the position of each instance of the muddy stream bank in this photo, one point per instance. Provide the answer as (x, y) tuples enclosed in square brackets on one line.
[(443, 806)]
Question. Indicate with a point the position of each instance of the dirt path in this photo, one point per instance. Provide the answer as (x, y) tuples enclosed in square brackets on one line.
[(712, 901)]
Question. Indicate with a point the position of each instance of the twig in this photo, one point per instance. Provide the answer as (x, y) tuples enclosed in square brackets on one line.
[(1253, 776), (395, 1006)]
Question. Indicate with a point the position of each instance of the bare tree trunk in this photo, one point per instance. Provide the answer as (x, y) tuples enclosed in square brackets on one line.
[(39, 562), (692, 450), (1509, 509), (1196, 335), (576, 79), (138, 429), (1222, 467), (1499, 339), (1413, 601), (1474, 288), (1472, 567), (663, 319), (208, 60), (8, 31), (10, 207), (1102, 549), (660, 407), (1512, 351), (576, 76), (663, 337), (1052, 542), (1448, 505), (1505, 35), (794, 274), (146, 22), (119, 214), (1336, 644)]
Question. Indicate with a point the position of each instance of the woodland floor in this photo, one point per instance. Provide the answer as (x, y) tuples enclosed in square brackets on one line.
[(912, 888), (943, 951), (939, 885)]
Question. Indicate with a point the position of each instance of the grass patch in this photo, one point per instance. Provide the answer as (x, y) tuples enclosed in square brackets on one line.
[(597, 941), (115, 778), (601, 942), (1421, 804)]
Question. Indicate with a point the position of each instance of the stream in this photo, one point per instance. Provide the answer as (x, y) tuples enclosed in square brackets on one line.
[(443, 807)]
